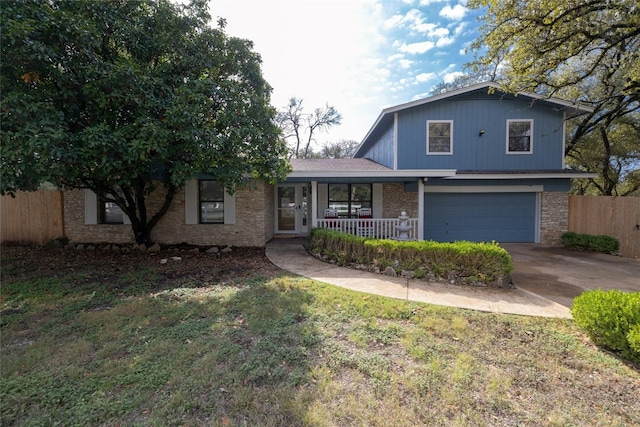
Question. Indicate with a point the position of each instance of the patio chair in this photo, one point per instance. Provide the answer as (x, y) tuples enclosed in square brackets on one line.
[(365, 228), (329, 214)]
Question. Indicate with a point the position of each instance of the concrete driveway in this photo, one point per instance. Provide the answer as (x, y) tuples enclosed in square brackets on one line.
[(560, 275)]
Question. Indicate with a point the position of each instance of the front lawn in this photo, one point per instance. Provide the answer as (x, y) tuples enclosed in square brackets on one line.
[(112, 338)]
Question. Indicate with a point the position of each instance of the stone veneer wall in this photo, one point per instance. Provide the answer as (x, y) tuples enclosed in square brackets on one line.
[(395, 200), (253, 226), (554, 217)]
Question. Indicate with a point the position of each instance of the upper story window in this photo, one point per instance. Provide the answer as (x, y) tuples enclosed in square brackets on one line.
[(519, 136), (439, 136), (211, 198), (348, 198), (110, 213)]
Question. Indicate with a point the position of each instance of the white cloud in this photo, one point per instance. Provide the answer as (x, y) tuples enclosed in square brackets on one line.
[(454, 13), (450, 77), (412, 17), (357, 55), (415, 48), (424, 77), (420, 96), (406, 63), (445, 41), (431, 30), (460, 28)]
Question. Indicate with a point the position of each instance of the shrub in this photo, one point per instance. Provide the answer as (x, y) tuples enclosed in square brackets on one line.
[(589, 242), (463, 262), (634, 338), (609, 318)]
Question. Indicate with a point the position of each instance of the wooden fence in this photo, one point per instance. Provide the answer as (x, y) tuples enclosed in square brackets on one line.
[(31, 217), (617, 217)]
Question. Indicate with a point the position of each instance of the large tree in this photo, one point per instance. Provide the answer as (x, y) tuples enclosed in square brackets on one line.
[(300, 127), (341, 149), (126, 97), (614, 153), (587, 51)]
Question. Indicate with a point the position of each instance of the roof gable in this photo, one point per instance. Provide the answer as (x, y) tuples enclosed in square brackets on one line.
[(385, 119)]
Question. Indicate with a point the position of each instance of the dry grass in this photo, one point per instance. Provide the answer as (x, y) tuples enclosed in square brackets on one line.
[(120, 339)]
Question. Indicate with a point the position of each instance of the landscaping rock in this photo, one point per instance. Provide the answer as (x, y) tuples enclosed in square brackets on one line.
[(390, 271), (213, 250), (154, 248), (407, 273), (227, 249)]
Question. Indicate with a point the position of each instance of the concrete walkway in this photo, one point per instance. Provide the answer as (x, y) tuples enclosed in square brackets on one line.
[(290, 255)]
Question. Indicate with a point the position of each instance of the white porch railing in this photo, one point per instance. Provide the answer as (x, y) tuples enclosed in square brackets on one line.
[(379, 228)]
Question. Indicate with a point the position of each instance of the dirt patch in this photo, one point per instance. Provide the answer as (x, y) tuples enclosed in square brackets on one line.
[(97, 265)]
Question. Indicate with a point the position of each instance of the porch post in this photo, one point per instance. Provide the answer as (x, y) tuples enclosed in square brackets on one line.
[(314, 204), (420, 209)]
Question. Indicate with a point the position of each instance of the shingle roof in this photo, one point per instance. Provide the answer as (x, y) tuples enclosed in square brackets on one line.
[(317, 165)]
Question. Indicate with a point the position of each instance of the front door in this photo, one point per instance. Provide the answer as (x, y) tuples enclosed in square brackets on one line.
[(291, 209)]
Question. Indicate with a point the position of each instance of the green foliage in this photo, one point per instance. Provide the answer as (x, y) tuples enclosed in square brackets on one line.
[(190, 347), (634, 338), (125, 96), (544, 48), (547, 36), (463, 262), (589, 242), (609, 318), (613, 154)]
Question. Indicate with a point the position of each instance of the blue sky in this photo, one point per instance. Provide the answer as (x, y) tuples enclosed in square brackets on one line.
[(358, 55)]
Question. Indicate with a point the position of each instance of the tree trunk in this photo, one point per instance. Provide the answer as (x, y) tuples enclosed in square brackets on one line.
[(138, 214), (142, 234)]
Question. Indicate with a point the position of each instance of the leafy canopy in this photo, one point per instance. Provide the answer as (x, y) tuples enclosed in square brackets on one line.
[(118, 96), (582, 50), (554, 44)]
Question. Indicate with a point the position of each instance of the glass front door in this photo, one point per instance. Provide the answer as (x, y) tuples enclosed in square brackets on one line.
[(291, 209)]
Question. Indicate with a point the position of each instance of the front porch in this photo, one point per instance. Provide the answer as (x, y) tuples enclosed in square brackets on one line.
[(377, 228)]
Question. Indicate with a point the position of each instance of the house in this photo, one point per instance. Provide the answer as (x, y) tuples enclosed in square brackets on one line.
[(473, 164)]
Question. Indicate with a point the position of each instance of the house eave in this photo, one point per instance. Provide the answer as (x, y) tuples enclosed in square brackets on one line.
[(412, 174), (541, 175)]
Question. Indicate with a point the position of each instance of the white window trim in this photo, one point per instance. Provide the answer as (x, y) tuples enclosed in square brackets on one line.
[(441, 153), (92, 210), (530, 141), (192, 206)]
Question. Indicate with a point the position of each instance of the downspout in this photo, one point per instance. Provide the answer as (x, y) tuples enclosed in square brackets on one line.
[(420, 209), (314, 204), (395, 141)]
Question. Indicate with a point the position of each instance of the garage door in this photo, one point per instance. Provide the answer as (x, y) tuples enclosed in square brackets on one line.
[(480, 217)]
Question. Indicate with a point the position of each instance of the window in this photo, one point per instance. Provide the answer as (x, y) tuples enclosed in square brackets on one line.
[(211, 197), (439, 137), (519, 136), (348, 198), (110, 213)]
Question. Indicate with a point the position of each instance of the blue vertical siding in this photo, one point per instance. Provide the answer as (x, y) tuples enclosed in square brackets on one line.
[(382, 150), (471, 113)]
